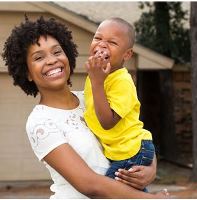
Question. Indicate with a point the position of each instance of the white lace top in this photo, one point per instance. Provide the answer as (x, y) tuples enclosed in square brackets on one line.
[(49, 127)]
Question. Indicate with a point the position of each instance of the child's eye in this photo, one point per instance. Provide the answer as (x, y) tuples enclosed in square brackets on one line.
[(112, 42), (97, 38)]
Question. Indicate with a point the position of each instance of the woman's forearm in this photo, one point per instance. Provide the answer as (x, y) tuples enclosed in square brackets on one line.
[(104, 187), (85, 180)]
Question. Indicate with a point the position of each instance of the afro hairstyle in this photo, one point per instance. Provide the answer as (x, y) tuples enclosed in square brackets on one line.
[(28, 33)]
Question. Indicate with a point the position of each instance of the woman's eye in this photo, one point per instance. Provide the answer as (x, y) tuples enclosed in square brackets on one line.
[(57, 52), (38, 58)]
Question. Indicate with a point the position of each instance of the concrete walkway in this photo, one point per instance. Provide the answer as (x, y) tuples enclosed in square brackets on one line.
[(174, 178), (40, 190)]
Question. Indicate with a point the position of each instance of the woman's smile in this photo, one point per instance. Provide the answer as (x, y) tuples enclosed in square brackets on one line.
[(56, 72)]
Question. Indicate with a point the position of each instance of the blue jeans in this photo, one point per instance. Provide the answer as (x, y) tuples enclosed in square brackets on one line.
[(143, 157)]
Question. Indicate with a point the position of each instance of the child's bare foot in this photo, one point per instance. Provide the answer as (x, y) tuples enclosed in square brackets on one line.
[(164, 194)]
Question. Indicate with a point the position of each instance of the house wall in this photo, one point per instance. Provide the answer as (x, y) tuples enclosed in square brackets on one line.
[(183, 113), (17, 159), (171, 114)]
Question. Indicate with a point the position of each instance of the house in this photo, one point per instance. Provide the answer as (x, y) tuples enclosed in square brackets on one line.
[(17, 159)]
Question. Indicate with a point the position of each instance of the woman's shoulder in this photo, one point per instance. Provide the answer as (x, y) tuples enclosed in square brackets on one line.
[(39, 111), (40, 115)]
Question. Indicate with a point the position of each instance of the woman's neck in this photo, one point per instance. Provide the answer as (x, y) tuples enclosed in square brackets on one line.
[(59, 99)]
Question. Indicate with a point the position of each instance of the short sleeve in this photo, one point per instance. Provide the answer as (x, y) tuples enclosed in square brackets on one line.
[(44, 135), (122, 97)]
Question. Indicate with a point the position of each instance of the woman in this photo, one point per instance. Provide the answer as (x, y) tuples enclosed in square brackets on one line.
[(41, 57)]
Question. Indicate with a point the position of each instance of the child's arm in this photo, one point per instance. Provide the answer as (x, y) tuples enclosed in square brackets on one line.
[(98, 70)]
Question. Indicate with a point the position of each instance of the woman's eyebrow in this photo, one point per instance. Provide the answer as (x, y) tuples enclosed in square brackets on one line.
[(36, 52), (40, 51)]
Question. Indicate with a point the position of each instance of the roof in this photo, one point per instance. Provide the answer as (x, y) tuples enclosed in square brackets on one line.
[(87, 15), (97, 11)]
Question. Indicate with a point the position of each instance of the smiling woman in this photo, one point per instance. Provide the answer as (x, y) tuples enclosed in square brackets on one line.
[(41, 56), (47, 64)]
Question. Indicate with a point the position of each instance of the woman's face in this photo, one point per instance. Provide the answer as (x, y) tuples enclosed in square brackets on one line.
[(48, 65)]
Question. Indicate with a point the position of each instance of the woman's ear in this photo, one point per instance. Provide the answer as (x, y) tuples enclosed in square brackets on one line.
[(128, 54), (29, 77)]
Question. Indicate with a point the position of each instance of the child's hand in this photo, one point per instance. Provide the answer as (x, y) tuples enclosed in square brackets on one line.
[(98, 67)]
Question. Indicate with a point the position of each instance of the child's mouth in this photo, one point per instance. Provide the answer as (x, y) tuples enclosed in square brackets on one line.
[(102, 53)]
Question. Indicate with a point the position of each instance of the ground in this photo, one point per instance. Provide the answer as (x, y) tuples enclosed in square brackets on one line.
[(177, 179), (171, 176)]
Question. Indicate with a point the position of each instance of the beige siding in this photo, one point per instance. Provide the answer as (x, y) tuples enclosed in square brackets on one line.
[(18, 6), (17, 159), (8, 20)]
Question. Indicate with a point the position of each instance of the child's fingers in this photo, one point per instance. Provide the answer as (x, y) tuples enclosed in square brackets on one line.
[(90, 63), (107, 68), (98, 62), (93, 62), (97, 54), (87, 66)]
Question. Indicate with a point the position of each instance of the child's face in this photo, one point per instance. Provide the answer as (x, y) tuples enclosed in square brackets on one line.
[(112, 39), (48, 65)]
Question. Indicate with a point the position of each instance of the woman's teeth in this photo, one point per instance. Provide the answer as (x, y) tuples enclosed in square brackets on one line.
[(53, 71)]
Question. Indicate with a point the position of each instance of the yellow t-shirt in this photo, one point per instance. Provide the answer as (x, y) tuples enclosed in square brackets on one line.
[(124, 139)]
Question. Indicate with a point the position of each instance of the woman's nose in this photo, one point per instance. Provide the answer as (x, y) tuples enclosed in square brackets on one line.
[(51, 59)]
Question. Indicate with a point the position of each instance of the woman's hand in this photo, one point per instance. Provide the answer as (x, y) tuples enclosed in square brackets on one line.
[(138, 176)]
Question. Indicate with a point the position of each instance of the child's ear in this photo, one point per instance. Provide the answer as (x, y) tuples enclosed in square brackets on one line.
[(128, 54)]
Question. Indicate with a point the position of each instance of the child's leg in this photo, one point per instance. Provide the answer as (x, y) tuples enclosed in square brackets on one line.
[(147, 152), (144, 156)]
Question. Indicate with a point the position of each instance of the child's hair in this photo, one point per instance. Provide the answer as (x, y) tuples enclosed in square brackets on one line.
[(26, 34), (130, 28)]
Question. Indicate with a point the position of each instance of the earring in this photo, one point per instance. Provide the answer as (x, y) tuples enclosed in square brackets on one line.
[(29, 78)]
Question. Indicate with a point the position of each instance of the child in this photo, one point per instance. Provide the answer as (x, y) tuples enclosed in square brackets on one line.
[(112, 107)]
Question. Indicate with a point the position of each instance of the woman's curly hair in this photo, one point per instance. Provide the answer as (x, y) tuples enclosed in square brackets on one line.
[(26, 34)]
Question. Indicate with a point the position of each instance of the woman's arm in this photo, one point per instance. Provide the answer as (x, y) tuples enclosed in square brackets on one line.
[(138, 176), (70, 165)]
